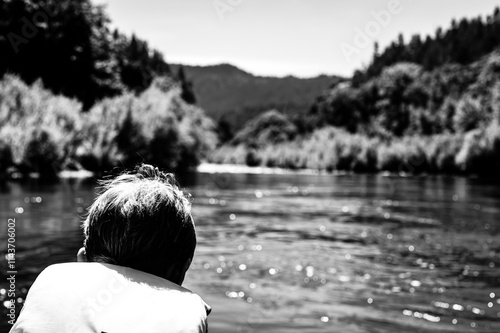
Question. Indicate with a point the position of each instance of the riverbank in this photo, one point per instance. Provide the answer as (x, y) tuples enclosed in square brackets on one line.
[(331, 149)]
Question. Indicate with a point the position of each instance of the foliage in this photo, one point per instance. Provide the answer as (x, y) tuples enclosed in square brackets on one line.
[(156, 127), (330, 148), (44, 133), (39, 128), (270, 127), (469, 114), (480, 152), (463, 43), (71, 47)]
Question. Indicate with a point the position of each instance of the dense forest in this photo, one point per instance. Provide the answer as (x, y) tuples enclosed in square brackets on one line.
[(75, 94), (464, 42), (418, 107), (70, 46)]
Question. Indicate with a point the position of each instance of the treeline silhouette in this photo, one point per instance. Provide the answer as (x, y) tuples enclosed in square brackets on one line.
[(70, 46), (76, 95), (463, 42), (401, 116)]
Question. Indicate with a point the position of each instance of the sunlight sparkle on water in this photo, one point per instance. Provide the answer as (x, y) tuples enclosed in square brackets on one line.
[(419, 315), (415, 283), (344, 278), (442, 305), (477, 311), (325, 319), (257, 247)]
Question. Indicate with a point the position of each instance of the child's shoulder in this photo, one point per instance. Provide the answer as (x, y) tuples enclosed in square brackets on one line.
[(99, 274)]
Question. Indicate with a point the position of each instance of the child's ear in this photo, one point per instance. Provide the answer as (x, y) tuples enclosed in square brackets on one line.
[(81, 255)]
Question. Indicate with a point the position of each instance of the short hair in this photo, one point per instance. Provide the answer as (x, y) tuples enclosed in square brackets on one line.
[(141, 219)]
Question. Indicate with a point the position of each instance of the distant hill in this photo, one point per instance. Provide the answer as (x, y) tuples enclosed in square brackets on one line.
[(227, 92)]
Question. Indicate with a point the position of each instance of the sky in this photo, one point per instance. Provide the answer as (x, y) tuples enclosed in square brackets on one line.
[(303, 38)]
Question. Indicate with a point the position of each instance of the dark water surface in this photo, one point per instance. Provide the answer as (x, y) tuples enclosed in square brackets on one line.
[(305, 253)]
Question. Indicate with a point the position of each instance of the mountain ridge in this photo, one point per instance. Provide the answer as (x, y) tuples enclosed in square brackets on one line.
[(230, 94)]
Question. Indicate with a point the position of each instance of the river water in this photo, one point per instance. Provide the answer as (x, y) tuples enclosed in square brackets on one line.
[(304, 253)]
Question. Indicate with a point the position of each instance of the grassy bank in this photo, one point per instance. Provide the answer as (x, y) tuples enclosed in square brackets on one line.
[(330, 148)]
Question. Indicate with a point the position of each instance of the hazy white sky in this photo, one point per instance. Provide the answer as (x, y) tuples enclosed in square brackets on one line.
[(281, 37)]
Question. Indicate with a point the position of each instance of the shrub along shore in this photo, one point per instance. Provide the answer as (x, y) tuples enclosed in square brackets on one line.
[(330, 149), (45, 133)]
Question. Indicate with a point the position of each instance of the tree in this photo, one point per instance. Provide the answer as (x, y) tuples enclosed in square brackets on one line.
[(70, 46), (469, 114), (186, 86)]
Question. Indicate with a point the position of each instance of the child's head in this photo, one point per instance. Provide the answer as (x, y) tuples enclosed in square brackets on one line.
[(143, 221)]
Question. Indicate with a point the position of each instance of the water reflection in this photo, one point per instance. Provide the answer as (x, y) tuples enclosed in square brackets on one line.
[(310, 253)]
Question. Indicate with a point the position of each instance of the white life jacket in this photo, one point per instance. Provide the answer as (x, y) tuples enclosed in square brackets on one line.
[(95, 297)]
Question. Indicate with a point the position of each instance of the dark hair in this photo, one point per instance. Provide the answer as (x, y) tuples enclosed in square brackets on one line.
[(141, 220)]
